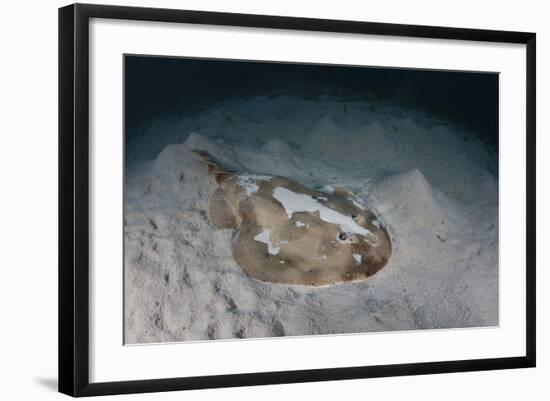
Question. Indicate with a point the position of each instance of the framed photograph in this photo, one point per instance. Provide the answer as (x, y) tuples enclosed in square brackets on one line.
[(251, 199)]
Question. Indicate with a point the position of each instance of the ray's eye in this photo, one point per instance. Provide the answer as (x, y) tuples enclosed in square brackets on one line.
[(353, 216), (342, 236)]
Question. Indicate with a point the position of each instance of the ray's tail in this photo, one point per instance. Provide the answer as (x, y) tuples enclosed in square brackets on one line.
[(215, 167)]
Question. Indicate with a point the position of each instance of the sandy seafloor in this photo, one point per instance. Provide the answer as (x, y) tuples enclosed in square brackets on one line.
[(434, 186)]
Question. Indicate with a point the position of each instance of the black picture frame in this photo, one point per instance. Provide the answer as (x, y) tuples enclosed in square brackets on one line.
[(74, 198)]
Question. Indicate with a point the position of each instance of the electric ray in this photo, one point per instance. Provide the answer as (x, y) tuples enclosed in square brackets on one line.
[(286, 233)]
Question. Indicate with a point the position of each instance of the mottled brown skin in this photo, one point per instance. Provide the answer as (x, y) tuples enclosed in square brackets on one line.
[(312, 254)]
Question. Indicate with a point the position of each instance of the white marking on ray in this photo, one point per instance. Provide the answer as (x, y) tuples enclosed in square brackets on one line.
[(357, 201), (376, 223), (357, 257), (294, 202), (265, 237), (300, 224)]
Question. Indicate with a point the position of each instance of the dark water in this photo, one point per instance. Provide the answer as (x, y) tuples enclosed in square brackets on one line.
[(158, 86)]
